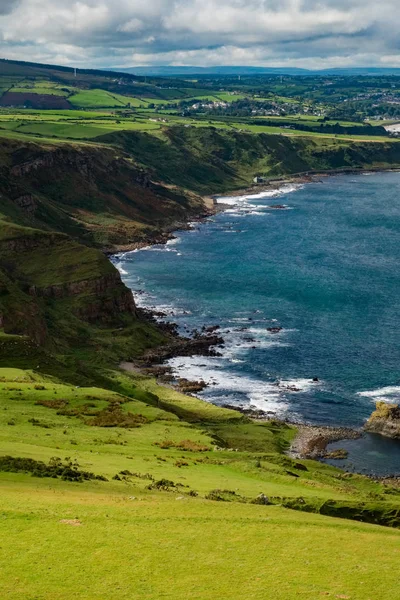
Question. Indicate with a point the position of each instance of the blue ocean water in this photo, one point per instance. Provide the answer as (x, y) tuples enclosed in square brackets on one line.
[(325, 269)]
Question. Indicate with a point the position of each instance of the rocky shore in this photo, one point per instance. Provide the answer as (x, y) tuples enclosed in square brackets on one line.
[(385, 420), (312, 441)]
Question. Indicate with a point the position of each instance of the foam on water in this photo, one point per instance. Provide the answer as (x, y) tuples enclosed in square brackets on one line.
[(240, 200), (228, 387), (384, 394), (121, 269), (308, 271)]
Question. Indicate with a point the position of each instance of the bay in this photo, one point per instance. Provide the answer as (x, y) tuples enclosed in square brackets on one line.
[(321, 262)]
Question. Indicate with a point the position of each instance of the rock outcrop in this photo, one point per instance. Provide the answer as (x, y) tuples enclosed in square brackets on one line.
[(385, 420)]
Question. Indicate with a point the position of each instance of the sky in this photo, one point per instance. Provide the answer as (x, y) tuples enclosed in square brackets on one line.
[(126, 33)]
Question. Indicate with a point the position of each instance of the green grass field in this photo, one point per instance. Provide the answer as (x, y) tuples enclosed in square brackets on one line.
[(120, 539), (160, 547)]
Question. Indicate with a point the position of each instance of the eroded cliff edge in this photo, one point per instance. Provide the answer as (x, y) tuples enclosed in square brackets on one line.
[(61, 208)]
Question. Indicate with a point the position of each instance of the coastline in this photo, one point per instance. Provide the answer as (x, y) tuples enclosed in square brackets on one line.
[(311, 441), (211, 207)]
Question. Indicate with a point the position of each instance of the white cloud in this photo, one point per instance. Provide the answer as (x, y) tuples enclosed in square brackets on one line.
[(259, 32), (131, 26)]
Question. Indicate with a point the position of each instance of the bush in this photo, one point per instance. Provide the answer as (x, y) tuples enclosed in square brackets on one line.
[(166, 485), (114, 416), (52, 403), (56, 469), (223, 496), (185, 445)]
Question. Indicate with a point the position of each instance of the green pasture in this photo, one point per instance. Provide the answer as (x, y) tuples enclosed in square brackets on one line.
[(126, 538)]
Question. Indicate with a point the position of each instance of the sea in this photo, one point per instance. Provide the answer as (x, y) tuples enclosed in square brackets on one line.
[(304, 282)]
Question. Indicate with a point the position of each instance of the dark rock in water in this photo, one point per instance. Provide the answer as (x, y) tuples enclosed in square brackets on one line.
[(315, 380), (339, 454), (211, 328), (291, 388), (191, 387), (274, 329), (201, 345), (277, 206)]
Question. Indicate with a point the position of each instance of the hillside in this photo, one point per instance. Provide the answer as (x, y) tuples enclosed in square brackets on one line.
[(176, 485), (129, 188), (113, 485), (60, 207), (209, 160)]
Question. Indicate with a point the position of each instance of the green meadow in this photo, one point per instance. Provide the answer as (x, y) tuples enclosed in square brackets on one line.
[(174, 515)]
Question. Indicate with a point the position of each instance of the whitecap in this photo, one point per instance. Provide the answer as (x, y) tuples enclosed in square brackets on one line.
[(385, 394), (298, 385), (224, 384), (121, 269), (243, 200), (173, 241)]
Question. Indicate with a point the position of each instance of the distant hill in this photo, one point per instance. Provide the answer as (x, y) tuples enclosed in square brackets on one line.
[(174, 71)]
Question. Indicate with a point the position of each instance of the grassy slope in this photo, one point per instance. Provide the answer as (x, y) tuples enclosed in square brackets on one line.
[(88, 193), (133, 542), (155, 546), (66, 296), (208, 160)]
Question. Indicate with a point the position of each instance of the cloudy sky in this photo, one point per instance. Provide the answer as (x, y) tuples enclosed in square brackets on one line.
[(124, 33)]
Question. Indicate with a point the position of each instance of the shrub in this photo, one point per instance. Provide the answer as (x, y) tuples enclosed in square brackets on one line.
[(56, 469), (52, 403), (37, 423), (261, 499), (185, 445), (223, 496), (114, 416), (165, 484)]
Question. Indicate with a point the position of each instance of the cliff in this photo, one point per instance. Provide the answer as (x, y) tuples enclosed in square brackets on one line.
[(385, 420), (65, 298), (63, 205), (95, 194), (208, 160)]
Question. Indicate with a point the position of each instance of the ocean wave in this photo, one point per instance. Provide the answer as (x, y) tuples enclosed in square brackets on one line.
[(146, 300), (121, 269), (239, 201), (298, 385), (385, 394), (173, 242), (228, 387)]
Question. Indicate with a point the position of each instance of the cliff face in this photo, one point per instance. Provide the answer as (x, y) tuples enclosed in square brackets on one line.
[(58, 206), (208, 160), (94, 194), (42, 274), (385, 420)]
